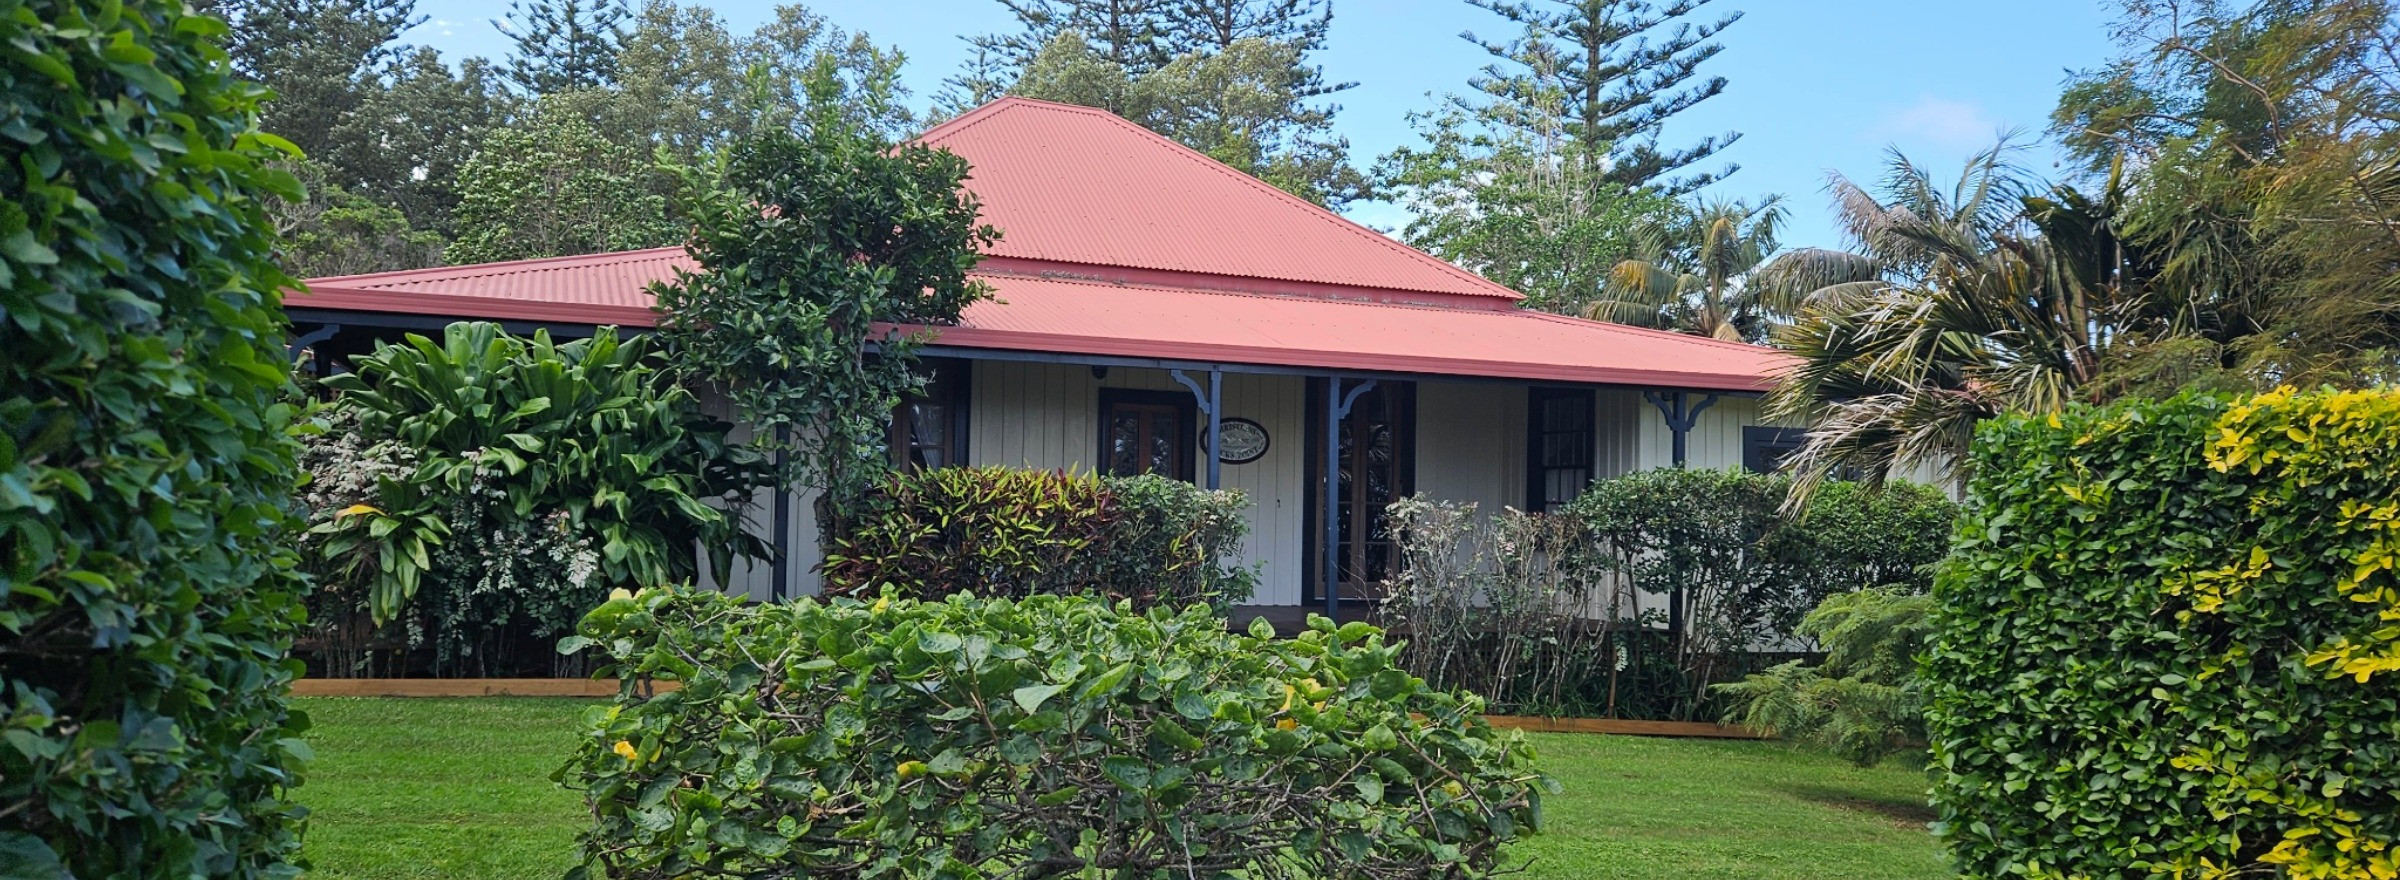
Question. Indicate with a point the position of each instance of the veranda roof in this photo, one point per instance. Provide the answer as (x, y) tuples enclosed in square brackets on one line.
[(1118, 243)]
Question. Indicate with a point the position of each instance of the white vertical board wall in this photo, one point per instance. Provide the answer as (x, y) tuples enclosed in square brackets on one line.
[(1471, 443), (1048, 416), (756, 579)]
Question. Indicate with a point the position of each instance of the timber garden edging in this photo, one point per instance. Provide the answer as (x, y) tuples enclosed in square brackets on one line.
[(599, 688)]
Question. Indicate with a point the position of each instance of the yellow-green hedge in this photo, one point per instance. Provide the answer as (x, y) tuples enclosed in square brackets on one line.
[(2168, 642)]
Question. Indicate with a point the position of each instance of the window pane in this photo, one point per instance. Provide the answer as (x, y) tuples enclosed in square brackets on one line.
[(1124, 443)]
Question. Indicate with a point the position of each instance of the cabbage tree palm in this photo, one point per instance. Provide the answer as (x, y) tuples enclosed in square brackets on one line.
[(1957, 303), (1695, 274)]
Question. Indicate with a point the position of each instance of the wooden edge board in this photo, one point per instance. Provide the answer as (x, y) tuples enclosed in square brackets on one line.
[(601, 688)]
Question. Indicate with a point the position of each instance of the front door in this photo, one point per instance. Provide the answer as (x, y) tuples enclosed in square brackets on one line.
[(1376, 467)]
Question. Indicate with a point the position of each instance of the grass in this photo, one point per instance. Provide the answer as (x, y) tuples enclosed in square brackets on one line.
[(410, 788)]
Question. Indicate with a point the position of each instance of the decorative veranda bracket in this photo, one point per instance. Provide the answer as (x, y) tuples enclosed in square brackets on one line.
[(1680, 413)]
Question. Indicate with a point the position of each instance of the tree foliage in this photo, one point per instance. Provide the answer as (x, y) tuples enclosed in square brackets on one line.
[(563, 45), (334, 231), (1959, 303), (2264, 132), (2166, 642), (1049, 736), (1230, 78), (2232, 228), (556, 186), (1623, 68), (147, 590), (689, 85), (1695, 271), (1529, 209), (823, 243)]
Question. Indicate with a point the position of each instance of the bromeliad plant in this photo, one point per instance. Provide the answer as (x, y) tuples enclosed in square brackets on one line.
[(1050, 736), (532, 477)]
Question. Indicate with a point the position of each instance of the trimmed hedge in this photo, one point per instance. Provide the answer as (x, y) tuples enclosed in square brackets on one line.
[(1052, 736), (1001, 531), (2169, 642), (147, 593)]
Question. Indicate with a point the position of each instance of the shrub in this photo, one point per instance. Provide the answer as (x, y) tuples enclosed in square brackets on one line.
[(1567, 613), (2166, 643), (1049, 736), (146, 592), (495, 485), (996, 531), (1502, 605), (1864, 701)]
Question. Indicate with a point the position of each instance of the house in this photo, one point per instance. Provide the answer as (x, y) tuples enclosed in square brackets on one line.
[(1150, 299)]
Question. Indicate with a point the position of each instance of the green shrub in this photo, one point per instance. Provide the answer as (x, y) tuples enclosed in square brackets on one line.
[(496, 485), (1566, 614), (997, 531), (1051, 736), (2168, 642), (147, 594), (1864, 701)]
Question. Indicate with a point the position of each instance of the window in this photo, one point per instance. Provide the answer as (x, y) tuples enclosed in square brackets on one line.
[(1764, 449), (1146, 432), (929, 430), (1559, 447)]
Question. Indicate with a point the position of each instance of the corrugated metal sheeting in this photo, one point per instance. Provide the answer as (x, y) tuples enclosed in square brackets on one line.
[(1079, 185), (1121, 243)]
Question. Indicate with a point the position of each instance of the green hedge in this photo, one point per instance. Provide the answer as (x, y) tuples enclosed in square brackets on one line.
[(999, 531), (1049, 737), (147, 598), (2169, 642)]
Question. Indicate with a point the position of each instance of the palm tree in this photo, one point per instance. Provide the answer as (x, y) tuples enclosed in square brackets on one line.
[(1956, 304), (1694, 274)]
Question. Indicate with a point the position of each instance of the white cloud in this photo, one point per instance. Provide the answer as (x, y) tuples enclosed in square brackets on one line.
[(1940, 122)]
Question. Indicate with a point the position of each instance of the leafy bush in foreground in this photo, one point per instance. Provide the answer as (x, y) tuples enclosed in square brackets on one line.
[(147, 600), (1001, 531), (2169, 643), (1047, 736)]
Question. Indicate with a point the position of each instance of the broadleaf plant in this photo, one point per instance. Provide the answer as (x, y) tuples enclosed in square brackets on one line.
[(1051, 736)]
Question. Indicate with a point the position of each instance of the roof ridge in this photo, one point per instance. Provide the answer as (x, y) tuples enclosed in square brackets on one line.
[(503, 267), (1298, 297), (1318, 211), (1312, 209)]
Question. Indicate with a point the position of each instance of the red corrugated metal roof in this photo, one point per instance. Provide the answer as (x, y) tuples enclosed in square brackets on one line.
[(1194, 262), (1079, 185), (1097, 318), (1082, 316)]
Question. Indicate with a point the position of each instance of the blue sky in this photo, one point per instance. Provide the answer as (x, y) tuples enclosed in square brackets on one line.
[(1814, 85)]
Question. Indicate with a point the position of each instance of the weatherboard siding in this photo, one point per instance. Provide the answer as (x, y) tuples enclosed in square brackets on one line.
[(1047, 416)]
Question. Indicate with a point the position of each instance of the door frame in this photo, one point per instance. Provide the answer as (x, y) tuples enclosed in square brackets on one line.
[(1403, 397)]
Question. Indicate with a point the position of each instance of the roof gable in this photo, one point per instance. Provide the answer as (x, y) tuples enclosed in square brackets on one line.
[(1079, 185)]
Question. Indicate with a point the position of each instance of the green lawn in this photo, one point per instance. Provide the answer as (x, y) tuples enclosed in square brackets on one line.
[(461, 789)]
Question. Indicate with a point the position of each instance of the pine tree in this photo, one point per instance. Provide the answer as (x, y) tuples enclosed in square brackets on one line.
[(319, 56), (1131, 34), (563, 45), (1627, 66), (1210, 26)]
